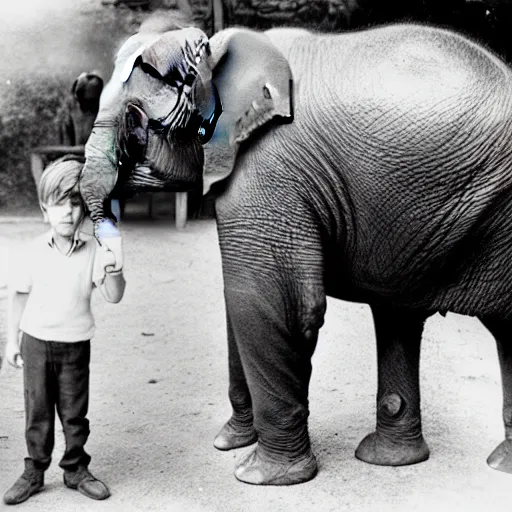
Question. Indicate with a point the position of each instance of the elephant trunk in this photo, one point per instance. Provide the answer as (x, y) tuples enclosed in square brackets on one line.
[(97, 181), (99, 174)]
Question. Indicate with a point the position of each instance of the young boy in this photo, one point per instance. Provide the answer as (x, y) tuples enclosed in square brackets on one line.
[(49, 304)]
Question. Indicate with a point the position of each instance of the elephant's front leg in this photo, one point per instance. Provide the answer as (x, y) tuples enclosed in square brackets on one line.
[(239, 430), (501, 457), (398, 438), (276, 355)]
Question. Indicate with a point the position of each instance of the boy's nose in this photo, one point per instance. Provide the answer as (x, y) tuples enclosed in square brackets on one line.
[(67, 209)]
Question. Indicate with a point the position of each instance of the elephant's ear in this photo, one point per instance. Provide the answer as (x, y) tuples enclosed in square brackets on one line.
[(255, 86), (254, 81)]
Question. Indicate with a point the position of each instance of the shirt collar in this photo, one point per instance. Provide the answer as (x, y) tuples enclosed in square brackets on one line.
[(78, 242)]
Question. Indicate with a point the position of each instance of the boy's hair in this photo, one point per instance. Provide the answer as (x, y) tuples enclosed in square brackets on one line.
[(60, 180)]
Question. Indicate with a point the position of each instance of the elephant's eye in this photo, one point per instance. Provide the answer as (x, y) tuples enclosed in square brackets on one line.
[(174, 78), (189, 79), (150, 70)]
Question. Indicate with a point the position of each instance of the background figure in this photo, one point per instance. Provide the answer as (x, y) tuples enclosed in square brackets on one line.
[(79, 110)]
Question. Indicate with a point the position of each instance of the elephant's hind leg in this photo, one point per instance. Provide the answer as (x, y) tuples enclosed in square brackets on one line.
[(501, 457), (239, 430), (398, 439)]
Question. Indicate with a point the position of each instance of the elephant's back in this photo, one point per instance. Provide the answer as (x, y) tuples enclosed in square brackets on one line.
[(410, 68), (420, 101), (403, 94), (417, 52), (427, 66)]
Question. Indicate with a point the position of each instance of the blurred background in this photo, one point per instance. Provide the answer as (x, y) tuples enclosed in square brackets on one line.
[(45, 45)]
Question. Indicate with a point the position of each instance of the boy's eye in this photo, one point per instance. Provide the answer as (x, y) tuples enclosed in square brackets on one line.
[(73, 201)]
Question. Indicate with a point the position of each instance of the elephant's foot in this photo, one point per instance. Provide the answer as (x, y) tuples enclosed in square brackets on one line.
[(501, 457), (378, 449), (231, 437), (257, 469)]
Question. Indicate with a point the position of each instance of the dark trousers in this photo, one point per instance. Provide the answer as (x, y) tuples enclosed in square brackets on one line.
[(56, 378)]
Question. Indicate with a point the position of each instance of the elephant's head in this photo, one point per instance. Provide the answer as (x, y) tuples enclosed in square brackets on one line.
[(163, 102)]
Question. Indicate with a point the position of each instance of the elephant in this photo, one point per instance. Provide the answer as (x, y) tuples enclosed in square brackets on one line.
[(78, 112), (371, 166)]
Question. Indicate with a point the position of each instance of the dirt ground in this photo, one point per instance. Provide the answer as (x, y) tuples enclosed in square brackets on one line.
[(159, 396)]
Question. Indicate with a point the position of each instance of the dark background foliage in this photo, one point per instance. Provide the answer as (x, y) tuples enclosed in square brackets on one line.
[(27, 120)]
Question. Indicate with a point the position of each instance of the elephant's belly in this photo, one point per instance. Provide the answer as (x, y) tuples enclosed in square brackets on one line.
[(474, 280), (351, 292), (341, 283)]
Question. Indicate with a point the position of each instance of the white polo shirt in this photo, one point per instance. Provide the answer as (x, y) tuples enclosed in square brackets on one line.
[(59, 288)]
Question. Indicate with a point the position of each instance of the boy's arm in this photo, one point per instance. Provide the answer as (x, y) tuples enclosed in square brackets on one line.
[(16, 302), (113, 286), (19, 286)]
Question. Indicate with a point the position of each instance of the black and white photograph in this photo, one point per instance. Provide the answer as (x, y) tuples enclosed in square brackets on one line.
[(256, 255)]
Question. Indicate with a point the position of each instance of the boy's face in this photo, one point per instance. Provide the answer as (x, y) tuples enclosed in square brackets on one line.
[(65, 215)]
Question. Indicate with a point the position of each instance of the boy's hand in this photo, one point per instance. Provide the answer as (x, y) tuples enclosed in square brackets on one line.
[(107, 259), (12, 354), (113, 241)]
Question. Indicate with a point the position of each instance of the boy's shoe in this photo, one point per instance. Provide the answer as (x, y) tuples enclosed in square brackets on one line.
[(30, 482), (86, 483)]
